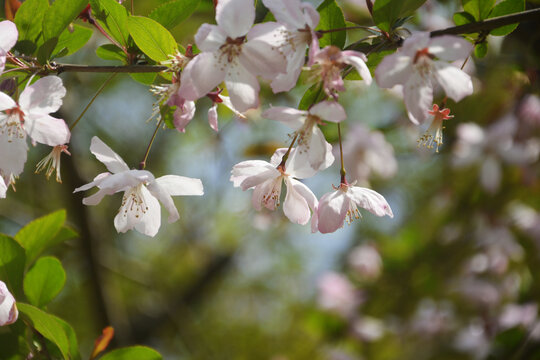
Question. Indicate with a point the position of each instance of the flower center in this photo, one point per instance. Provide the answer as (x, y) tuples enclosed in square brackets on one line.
[(232, 48), (12, 126), (133, 202)]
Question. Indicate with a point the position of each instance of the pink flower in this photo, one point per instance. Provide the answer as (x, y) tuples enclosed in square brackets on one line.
[(300, 20), (30, 116), (311, 142), (366, 261), (343, 203), (329, 63), (7, 40), (337, 294), (140, 208), (417, 68), (8, 308), (266, 179), (227, 56), (433, 138)]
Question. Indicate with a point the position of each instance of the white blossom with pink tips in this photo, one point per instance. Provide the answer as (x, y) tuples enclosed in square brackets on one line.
[(140, 208), (234, 52), (30, 116), (266, 179), (311, 143), (300, 20), (421, 63), (328, 64), (342, 204), (8, 308), (8, 39)]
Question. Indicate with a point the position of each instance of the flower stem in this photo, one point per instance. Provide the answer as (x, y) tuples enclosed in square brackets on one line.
[(349, 28), (286, 156), (92, 101), (142, 164), (342, 171)]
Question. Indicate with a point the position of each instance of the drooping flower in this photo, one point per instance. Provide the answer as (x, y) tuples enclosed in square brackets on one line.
[(421, 63), (8, 308), (311, 143), (266, 179), (140, 208), (7, 40), (51, 162), (300, 20), (234, 53), (342, 204), (433, 137), (329, 62), (30, 116)]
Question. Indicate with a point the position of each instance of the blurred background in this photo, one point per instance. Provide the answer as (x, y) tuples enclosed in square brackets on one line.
[(454, 275)]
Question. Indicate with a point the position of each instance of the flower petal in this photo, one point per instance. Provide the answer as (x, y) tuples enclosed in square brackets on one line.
[(370, 200), (295, 207), (44, 96), (176, 185), (3, 188), (210, 38), (6, 102), (213, 117), (332, 210), (394, 69), (418, 97), (329, 111), (97, 180), (311, 199), (450, 48), (311, 15), (243, 88), (291, 117), (107, 156), (261, 54), (183, 115), (163, 195), (418, 41), (248, 168), (145, 218), (201, 75), (358, 59), (46, 129), (8, 307), (14, 154), (455, 82), (235, 17), (257, 179), (286, 81), (9, 35)]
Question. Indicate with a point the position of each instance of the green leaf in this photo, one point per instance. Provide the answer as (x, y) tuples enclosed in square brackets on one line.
[(462, 18), (144, 78), (478, 8), (312, 96), (44, 281), (480, 50), (72, 41), (133, 352), (173, 13), (47, 325), (65, 233), (72, 339), (331, 18), (12, 260), (39, 234), (152, 38), (506, 7), (387, 12), (59, 15), (111, 52), (29, 21), (113, 17)]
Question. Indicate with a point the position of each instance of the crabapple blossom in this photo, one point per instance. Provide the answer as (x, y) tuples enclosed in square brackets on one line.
[(7, 40), (266, 179), (51, 162), (300, 20), (311, 143), (518, 315), (30, 116), (337, 294), (328, 63), (8, 308), (140, 208), (342, 204), (366, 261), (227, 56), (433, 137), (422, 62)]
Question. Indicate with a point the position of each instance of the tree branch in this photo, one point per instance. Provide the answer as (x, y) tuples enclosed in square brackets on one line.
[(60, 68)]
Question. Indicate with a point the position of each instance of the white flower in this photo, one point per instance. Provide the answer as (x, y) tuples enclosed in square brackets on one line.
[(417, 68), (140, 208), (300, 20), (266, 179), (311, 143), (343, 203), (217, 98), (8, 308), (51, 162), (433, 137), (3, 188), (8, 39), (227, 56), (30, 117)]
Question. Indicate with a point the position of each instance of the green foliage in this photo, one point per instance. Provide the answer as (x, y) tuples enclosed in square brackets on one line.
[(331, 18), (113, 17), (111, 52), (29, 19), (312, 96), (44, 281), (12, 260), (479, 9), (144, 78), (462, 18), (40, 234), (70, 42), (506, 7), (387, 12), (49, 326), (133, 352), (173, 13), (480, 50), (152, 38), (72, 339)]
